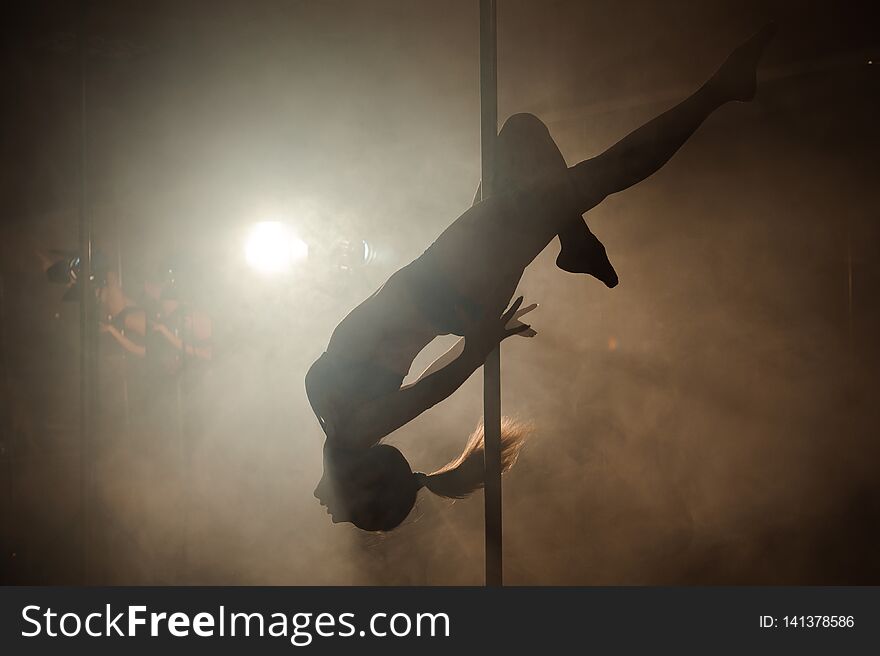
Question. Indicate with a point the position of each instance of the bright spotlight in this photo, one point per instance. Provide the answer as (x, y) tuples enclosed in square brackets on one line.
[(273, 248)]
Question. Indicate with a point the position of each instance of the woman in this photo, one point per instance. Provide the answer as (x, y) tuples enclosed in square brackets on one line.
[(461, 285)]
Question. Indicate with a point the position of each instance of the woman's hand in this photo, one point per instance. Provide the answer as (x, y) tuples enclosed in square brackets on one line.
[(491, 331), (526, 330)]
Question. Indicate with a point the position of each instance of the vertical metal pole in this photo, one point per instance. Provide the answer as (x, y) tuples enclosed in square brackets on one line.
[(183, 434), (125, 400), (86, 320), (492, 366)]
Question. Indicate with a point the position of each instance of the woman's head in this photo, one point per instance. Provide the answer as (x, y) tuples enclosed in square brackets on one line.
[(375, 488), (372, 488)]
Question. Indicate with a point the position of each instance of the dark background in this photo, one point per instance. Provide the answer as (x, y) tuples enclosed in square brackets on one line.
[(711, 420)]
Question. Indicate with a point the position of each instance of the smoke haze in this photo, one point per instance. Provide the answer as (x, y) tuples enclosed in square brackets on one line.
[(712, 420)]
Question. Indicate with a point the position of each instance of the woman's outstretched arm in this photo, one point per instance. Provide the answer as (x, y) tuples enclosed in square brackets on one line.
[(458, 348), (375, 420)]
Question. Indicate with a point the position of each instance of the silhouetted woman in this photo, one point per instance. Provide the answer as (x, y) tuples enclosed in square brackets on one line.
[(461, 285)]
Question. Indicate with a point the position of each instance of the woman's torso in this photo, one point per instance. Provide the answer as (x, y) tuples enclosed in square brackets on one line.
[(446, 290), (387, 330)]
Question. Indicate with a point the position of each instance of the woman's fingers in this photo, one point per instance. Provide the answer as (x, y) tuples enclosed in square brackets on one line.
[(515, 320), (523, 311), (512, 324), (521, 328), (512, 311)]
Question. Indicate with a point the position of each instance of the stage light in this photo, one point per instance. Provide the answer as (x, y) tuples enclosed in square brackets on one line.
[(350, 255), (369, 253), (272, 247)]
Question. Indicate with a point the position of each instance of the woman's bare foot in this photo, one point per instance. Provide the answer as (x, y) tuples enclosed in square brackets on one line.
[(582, 252), (736, 79)]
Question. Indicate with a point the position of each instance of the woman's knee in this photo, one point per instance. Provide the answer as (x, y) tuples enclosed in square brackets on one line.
[(523, 122), (526, 151)]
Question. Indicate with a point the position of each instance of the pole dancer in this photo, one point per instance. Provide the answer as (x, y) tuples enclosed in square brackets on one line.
[(461, 285)]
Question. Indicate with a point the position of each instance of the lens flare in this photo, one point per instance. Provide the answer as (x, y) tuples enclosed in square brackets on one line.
[(272, 247)]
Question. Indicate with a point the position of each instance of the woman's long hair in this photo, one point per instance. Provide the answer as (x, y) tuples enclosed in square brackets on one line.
[(376, 488), (384, 503), (465, 474)]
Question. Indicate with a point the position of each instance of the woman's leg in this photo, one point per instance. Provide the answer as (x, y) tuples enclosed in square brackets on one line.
[(482, 255), (646, 150), (525, 154), (628, 162)]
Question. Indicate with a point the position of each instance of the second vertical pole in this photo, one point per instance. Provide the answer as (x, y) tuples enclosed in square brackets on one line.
[(87, 322), (492, 366)]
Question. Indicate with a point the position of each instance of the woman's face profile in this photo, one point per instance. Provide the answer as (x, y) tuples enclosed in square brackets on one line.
[(347, 487), (374, 489), (328, 500)]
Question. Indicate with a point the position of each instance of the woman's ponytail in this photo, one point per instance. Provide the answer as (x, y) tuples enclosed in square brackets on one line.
[(465, 474)]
